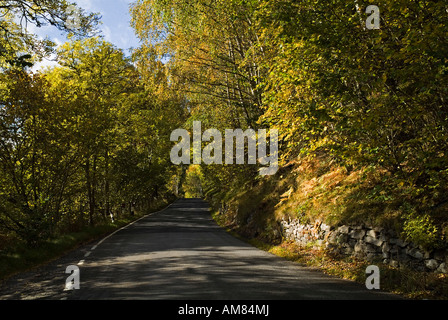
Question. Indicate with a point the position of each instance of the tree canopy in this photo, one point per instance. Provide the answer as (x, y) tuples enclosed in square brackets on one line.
[(372, 98), (80, 141)]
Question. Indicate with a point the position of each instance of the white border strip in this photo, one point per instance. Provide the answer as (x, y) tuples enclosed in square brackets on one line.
[(121, 229), (130, 224)]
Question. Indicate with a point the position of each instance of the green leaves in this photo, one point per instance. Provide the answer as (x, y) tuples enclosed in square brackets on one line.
[(311, 68), (80, 141), (17, 15), (421, 230)]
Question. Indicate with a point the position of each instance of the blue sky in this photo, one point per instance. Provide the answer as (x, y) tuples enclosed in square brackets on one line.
[(115, 25)]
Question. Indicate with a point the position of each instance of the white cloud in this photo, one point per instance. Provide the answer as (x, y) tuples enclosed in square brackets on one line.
[(114, 25), (85, 4), (44, 64), (107, 33), (48, 62)]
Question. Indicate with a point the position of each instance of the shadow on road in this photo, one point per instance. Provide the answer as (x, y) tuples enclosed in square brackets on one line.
[(180, 253)]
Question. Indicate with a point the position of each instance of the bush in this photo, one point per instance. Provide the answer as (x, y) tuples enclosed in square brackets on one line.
[(421, 230)]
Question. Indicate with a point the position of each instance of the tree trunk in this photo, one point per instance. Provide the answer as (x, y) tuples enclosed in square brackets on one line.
[(90, 193)]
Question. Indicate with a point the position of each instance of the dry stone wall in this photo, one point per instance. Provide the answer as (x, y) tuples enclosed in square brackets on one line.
[(371, 244)]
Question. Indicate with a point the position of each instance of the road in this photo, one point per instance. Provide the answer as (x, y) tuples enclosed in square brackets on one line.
[(180, 253)]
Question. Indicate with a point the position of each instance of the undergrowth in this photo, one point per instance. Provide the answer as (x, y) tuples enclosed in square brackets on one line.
[(407, 283), (19, 257), (317, 189)]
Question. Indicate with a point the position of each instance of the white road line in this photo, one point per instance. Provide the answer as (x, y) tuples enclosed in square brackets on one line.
[(80, 263), (127, 226)]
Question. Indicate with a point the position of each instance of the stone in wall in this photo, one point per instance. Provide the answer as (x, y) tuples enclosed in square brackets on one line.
[(368, 243)]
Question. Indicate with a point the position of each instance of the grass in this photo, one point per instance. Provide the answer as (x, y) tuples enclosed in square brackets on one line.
[(20, 258), (318, 190), (407, 283)]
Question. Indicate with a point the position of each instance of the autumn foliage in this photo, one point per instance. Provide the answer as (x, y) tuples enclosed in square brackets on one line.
[(366, 100)]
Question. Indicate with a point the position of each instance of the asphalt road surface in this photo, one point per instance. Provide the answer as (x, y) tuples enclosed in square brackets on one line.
[(181, 254)]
